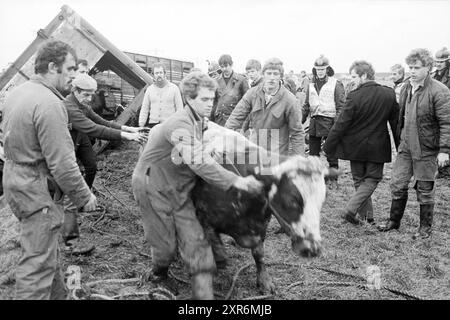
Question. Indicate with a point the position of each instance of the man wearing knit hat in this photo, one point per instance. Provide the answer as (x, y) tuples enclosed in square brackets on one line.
[(324, 100), (442, 74), (214, 70), (442, 64)]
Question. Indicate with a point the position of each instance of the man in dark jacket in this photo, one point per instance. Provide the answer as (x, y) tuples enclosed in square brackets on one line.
[(424, 132), (324, 100), (360, 135), (442, 63), (442, 74), (231, 88), (86, 123)]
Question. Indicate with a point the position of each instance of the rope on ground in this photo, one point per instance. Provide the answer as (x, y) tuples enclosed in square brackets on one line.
[(166, 293), (74, 294), (100, 296), (230, 291), (173, 275), (115, 235), (298, 283), (267, 296), (93, 283), (337, 283), (99, 219), (402, 293), (95, 189), (114, 196), (338, 273), (130, 294), (340, 283), (144, 254)]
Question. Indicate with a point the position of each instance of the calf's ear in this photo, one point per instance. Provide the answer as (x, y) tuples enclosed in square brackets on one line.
[(265, 177), (332, 172)]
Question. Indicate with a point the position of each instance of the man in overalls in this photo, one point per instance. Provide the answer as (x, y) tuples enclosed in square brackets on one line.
[(38, 148), (164, 177)]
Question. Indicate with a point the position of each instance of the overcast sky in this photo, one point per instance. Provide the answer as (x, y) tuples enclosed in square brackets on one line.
[(382, 32)]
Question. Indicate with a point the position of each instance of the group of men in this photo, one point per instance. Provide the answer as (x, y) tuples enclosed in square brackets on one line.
[(419, 117), (45, 133), (353, 124)]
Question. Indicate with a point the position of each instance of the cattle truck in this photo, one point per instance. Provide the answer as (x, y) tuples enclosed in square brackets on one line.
[(123, 76)]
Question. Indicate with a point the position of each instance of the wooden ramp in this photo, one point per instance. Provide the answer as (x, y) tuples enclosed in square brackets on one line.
[(90, 45)]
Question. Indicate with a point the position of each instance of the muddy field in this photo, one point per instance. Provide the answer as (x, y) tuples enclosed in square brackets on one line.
[(418, 268)]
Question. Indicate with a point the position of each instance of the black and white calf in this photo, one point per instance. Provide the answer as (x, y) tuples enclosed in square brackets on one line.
[(294, 192)]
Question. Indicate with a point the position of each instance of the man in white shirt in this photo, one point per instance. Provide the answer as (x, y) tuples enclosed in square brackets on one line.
[(161, 99)]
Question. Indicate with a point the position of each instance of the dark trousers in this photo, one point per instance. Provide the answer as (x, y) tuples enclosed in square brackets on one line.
[(314, 150), (366, 176), (85, 153)]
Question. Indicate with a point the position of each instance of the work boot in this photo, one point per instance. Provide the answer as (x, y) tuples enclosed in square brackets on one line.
[(426, 220), (370, 221), (69, 228), (78, 247), (397, 209), (202, 286), (159, 276), (352, 218)]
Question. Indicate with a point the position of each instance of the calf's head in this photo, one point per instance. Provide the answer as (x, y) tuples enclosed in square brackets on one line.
[(296, 192)]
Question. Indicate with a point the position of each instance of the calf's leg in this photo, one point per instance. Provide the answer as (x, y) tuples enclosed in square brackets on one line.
[(263, 279)]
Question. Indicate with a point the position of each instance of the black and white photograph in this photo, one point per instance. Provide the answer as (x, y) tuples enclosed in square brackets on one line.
[(248, 152)]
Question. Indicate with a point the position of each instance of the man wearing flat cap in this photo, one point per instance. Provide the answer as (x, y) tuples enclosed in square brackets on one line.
[(323, 102), (84, 124)]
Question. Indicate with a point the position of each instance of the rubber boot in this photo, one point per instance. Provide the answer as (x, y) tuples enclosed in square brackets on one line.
[(202, 286), (397, 210), (426, 220)]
